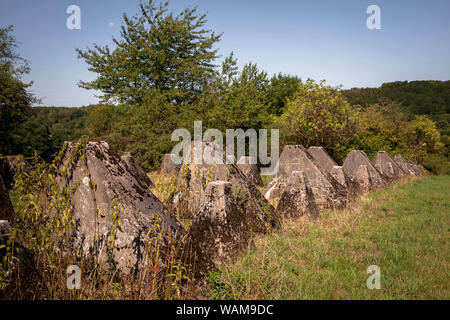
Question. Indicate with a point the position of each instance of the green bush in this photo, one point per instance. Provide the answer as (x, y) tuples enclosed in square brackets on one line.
[(437, 164)]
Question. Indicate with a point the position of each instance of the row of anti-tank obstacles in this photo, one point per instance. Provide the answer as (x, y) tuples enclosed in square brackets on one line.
[(307, 182), (222, 200)]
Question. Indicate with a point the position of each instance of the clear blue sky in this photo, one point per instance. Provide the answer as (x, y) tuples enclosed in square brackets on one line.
[(320, 39)]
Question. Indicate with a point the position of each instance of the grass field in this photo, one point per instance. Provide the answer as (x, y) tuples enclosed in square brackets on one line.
[(404, 229)]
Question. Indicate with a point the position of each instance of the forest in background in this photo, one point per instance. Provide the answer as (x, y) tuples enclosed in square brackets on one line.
[(46, 128), (431, 98)]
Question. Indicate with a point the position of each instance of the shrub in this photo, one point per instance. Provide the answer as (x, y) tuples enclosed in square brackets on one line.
[(437, 164), (319, 115)]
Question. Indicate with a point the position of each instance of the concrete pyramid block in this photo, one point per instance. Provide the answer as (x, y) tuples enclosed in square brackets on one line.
[(168, 166), (194, 178), (297, 198), (219, 227), (418, 170), (328, 193), (322, 157), (250, 168), (389, 169), (104, 183), (362, 178), (22, 281), (338, 173), (405, 165), (357, 158), (136, 170)]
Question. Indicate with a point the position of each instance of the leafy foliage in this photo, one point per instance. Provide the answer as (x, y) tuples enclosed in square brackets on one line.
[(15, 97), (318, 115), (424, 137), (431, 98), (282, 88), (238, 101), (418, 97), (382, 127), (437, 164), (143, 129), (44, 130), (157, 50)]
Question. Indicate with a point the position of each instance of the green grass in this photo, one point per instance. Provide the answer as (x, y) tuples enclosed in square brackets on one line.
[(404, 229)]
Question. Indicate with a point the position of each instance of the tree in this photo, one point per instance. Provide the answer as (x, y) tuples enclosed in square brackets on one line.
[(383, 126), (282, 88), (100, 120), (237, 99), (319, 115), (157, 50), (424, 137), (229, 71), (388, 127), (15, 98)]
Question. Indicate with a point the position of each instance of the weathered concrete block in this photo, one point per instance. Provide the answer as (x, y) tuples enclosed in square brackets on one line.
[(418, 170), (219, 227), (321, 157), (362, 178), (105, 181), (168, 166), (5, 228), (328, 193), (297, 198), (275, 189), (250, 168), (195, 177), (357, 158), (338, 173), (404, 165), (136, 170), (22, 281), (387, 166)]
